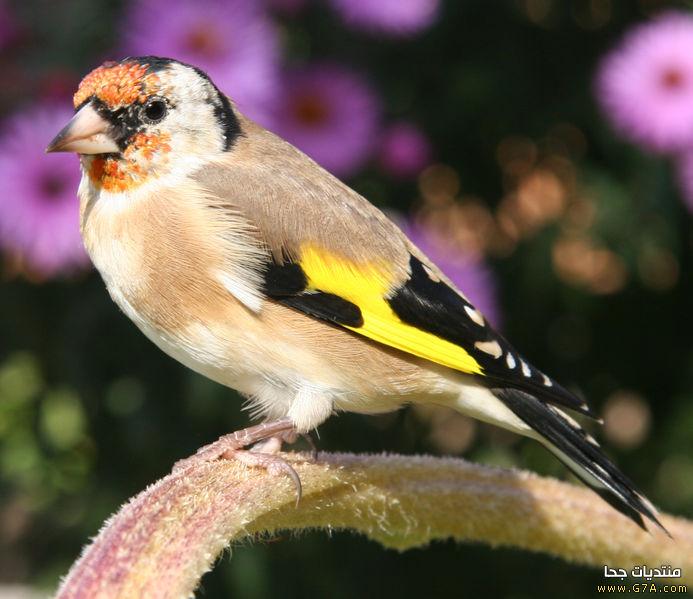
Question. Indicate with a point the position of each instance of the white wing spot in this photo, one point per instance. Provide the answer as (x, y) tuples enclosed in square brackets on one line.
[(492, 348), (525, 369), (603, 472), (510, 361), (475, 315), (547, 381), (569, 419)]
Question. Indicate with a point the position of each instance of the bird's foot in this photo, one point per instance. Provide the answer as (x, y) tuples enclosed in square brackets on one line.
[(266, 440)]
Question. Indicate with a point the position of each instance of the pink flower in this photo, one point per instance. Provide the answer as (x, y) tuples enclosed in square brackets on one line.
[(645, 84), (39, 210), (468, 272), (394, 17), (331, 114), (231, 40), (404, 150)]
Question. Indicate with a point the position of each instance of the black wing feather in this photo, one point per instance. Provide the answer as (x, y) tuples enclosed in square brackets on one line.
[(434, 306), (286, 283)]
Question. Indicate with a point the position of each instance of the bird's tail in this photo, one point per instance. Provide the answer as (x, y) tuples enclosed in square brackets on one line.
[(581, 454)]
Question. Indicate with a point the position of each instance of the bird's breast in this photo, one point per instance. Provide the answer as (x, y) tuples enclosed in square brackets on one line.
[(165, 278)]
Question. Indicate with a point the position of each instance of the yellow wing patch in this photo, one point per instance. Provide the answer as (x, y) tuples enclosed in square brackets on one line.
[(366, 286)]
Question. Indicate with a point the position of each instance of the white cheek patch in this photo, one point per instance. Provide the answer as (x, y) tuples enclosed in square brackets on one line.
[(193, 115)]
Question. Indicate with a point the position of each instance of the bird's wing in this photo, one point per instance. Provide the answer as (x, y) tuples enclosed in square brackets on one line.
[(333, 255), (422, 315)]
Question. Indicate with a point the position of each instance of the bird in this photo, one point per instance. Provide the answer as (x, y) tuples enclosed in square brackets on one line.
[(243, 259)]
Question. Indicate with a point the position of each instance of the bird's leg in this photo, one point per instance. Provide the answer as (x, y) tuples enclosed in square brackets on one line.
[(271, 446), (266, 439), (274, 444)]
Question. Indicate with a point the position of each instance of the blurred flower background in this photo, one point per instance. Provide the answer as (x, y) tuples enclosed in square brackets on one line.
[(540, 151)]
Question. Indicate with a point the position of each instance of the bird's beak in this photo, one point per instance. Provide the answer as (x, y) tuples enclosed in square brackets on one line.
[(86, 133)]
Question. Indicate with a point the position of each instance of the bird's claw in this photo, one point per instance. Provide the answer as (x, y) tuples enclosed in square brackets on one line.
[(266, 440)]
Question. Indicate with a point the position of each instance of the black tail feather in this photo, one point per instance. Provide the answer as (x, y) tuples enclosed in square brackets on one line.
[(581, 454), (555, 394)]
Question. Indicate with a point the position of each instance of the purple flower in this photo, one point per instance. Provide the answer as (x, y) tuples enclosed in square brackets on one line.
[(394, 17), (39, 211), (331, 114), (468, 272), (404, 150), (645, 84), (231, 40)]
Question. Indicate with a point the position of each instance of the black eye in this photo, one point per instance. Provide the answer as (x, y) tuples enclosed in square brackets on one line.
[(154, 110)]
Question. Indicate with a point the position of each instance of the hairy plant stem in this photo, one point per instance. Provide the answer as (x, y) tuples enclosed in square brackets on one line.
[(163, 541)]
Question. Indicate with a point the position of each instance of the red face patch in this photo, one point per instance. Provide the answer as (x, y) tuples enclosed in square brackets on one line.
[(118, 175), (117, 84)]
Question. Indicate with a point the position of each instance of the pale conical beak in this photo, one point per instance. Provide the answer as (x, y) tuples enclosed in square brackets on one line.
[(86, 133)]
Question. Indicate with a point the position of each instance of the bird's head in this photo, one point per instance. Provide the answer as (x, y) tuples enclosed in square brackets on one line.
[(144, 117)]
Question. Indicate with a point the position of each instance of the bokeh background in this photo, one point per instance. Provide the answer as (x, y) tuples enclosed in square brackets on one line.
[(540, 151)]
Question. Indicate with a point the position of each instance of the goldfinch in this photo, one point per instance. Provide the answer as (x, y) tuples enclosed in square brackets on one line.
[(243, 259)]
